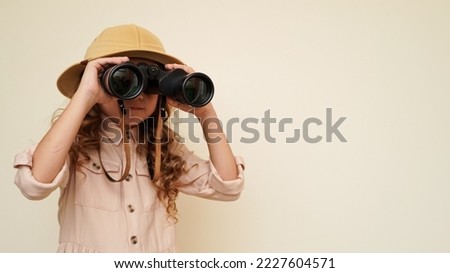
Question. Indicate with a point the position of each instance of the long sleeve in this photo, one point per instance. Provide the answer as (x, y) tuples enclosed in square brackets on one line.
[(27, 183), (203, 180)]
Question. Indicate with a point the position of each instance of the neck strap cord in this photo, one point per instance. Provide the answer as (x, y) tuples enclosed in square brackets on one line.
[(125, 140)]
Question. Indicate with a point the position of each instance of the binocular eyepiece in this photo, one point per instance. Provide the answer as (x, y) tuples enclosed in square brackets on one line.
[(127, 81)]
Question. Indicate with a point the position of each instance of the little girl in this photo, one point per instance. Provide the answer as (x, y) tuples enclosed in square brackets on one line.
[(118, 194)]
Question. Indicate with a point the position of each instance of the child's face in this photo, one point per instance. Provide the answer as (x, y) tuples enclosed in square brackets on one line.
[(138, 109)]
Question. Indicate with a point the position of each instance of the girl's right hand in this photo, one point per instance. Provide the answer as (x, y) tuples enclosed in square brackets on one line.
[(90, 87)]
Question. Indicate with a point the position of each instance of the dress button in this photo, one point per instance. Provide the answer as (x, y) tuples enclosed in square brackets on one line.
[(134, 240), (129, 177), (131, 208)]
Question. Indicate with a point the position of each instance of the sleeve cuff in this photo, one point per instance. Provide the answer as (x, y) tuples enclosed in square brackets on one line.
[(27, 183), (228, 187)]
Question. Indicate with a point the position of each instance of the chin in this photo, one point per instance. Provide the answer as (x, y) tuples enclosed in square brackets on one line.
[(134, 121)]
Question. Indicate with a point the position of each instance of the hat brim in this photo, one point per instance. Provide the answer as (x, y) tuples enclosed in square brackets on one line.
[(69, 80)]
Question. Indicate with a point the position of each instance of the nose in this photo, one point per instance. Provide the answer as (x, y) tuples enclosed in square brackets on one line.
[(140, 96)]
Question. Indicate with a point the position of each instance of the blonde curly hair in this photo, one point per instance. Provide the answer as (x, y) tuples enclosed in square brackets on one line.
[(172, 165)]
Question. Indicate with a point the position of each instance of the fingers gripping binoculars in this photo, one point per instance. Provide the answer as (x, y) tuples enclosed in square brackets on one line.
[(128, 80)]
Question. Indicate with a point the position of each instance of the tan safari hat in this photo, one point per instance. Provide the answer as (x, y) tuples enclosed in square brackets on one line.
[(123, 40)]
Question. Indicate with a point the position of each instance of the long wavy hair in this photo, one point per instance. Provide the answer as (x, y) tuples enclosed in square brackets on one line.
[(172, 165)]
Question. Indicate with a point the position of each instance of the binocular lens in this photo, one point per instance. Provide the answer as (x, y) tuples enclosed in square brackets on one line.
[(197, 90), (124, 82)]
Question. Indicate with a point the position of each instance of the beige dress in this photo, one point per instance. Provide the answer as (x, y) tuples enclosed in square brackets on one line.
[(96, 215)]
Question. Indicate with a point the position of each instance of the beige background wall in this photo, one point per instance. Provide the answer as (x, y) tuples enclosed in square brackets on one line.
[(384, 65)]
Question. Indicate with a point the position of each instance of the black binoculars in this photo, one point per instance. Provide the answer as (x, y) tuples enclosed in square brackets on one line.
[(128, 80)]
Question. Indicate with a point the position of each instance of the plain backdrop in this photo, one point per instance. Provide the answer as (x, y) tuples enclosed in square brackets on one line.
[(382, 66)]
